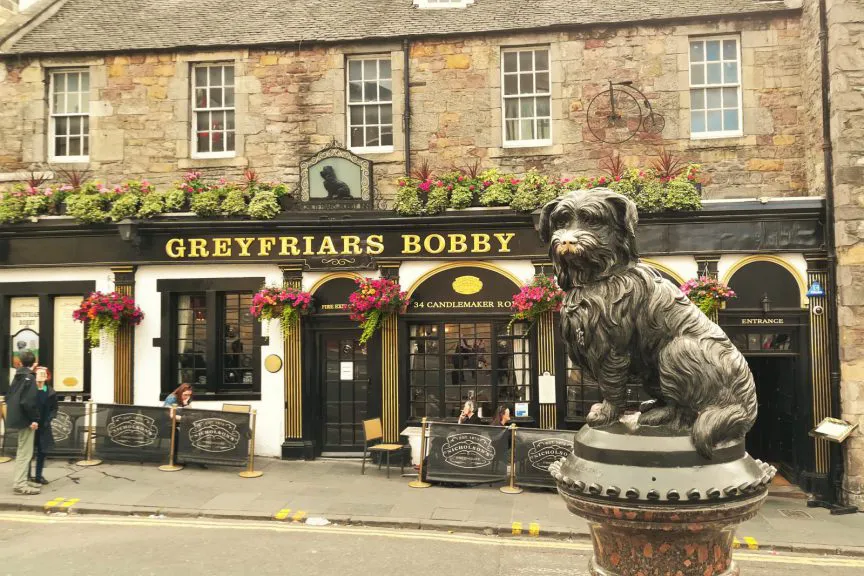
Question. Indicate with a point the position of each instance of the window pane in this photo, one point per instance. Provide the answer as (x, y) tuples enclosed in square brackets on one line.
[(697, 74), (714, 73), (697, 121), (526, 107), (730, 72), (387, 135), (541, 60), (385, 93), (511, 130), (511, 108), (371, 115), (201, 76), (75, 125), (730, 119), (526, 83), (60, 146), (370, 69), (697, 51), (712, 50), (59, 104), (200, 97), (215, 75), (510, 62), (713, 97), (542, 82), (356, 137), (356, 115), (384, 69), (229, 120), (215, 97), (715, 121), (543, 129), (75, 146), (386, 114), (511, 84), (72, 82), (85, 81), (86, 145), (697, 99), (229, 97), (59, 83), (355, 70), (355, 92), (229, 75), (730, 50), (85, 104), (73, 103), (730, 97), (217, 142), (526, 61), (527, 128), (543, 106), (372, 137), (370, 91)]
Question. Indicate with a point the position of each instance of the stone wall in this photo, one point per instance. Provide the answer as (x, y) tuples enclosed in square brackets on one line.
[(290, 103), (846, 68)]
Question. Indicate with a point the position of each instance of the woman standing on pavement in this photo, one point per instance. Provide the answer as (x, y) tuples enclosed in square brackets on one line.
[(47, 401)]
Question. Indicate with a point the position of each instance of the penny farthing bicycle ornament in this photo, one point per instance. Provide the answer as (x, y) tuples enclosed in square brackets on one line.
[(615, 115)]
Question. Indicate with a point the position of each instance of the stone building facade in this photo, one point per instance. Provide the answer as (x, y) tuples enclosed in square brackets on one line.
[(291, 99)]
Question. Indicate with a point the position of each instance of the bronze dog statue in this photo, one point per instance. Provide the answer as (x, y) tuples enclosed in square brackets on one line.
[(622, 321)]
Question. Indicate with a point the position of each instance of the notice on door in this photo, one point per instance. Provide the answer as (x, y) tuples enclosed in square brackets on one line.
[(23, 329), (346, 370), (68, 346)]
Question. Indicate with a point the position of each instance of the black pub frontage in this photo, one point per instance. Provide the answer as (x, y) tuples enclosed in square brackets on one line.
[(194, 280)]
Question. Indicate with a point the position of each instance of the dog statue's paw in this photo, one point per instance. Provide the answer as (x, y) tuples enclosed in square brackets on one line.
[(602, 414)]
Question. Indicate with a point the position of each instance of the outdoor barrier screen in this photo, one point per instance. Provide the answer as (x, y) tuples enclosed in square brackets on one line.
[(536, 450), (132, 433), (467, 453), (213, 437), (69, 429)]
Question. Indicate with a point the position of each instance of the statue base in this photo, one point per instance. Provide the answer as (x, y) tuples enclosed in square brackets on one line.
[(654, 505)]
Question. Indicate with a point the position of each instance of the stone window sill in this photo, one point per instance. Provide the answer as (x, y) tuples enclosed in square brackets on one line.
[(516, 152), (232, 162)]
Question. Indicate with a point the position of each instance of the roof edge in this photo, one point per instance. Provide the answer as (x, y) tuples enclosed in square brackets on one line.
[(7, 43), (27, 20)]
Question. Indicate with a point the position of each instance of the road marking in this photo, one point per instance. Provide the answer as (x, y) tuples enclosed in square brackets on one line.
[(52, 503), (534, 529), (517, 528), (70, 502), (751, 543), (299, 516), (250, 525), (282, 514)]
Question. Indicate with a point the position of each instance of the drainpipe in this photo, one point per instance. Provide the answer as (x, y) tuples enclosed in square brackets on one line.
[(835, 473), (406, 106)]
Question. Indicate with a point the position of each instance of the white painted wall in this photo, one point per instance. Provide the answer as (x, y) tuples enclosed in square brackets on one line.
[(795, 260), (101, 359), (270, 429), (410, 272)]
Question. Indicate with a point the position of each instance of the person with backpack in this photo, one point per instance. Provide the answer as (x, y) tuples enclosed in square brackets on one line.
[(23, 415)]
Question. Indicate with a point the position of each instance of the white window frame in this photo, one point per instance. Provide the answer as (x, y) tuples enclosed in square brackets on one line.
[(438, 4), (525, 143), (348, 104), (195, 110), (708, 135), (52, 116)]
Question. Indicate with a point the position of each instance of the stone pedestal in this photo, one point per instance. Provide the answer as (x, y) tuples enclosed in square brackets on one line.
[(654, 505)]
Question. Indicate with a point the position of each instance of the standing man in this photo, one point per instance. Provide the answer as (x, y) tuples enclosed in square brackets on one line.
[(23, 415)]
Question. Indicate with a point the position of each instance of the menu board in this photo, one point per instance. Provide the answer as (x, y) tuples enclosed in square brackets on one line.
[(23, 329), (68, 368)]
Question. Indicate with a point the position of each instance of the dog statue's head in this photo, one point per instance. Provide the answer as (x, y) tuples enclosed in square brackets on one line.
[(328, 173), (591, 233)]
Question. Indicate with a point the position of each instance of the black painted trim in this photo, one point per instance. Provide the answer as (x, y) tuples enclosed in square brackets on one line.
[(209, 284)]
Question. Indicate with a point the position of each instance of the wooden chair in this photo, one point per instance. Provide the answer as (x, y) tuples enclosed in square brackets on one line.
[(238, 408), (372, 431)]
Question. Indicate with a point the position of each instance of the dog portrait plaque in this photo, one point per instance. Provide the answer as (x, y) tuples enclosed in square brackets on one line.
[(336, 179)]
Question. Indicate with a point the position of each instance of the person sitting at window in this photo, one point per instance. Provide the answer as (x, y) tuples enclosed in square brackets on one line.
[(468, 416), (502, 416), (180, 398)]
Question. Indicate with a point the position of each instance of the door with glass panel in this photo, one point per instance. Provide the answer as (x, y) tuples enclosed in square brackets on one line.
[(344, 380), (482, 361)]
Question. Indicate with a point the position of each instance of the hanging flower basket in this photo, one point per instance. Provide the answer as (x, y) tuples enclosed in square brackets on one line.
[(709, 294), (373, 300), (283, 303), (540, 295), (107, 312)]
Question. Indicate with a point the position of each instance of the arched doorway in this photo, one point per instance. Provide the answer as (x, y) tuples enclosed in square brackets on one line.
[(767, 323)]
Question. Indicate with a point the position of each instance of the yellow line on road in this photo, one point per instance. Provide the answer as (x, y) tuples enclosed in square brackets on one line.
[(740, 556)]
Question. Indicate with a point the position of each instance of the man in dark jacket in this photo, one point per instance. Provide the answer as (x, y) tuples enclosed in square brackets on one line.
[(23, 415)]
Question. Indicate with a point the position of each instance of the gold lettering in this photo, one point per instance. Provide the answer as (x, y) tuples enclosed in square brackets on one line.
[(307, 247), (457, 243), (222, 247), (504, 239), (410, 244), (265, 245), (351, 245), (244, 243), (289, 246), (327, 246), (175, 248), (198, 248), (481, 243), (374, 244), (427, 243)]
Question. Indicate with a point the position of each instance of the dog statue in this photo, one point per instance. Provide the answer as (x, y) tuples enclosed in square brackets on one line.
[(336, 189), (622, 321)]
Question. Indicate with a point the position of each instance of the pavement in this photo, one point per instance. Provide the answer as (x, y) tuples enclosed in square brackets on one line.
[(334, 490)]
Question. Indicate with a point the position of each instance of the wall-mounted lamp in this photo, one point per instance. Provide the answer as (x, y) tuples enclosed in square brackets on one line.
[(766, 303), (129, 231)]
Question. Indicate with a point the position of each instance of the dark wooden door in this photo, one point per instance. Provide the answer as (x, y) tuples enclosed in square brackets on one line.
[(345, 383), (774, 437)]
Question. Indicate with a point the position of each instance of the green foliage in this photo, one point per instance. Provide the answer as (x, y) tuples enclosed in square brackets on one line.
[(152, 204), (37, 204), (533, 192), (174, 200), (461, 196), (499, 188), (408, 202), (206, 203), (12, 207), (436, 202), (234, 203), (264, 205), (125, 206), (682, 195), (90, 208)]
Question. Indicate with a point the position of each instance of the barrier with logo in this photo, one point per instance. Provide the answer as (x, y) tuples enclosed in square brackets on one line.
[(133, 433), (534, 450), (213, 437), (69, 430), (467, 453)]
